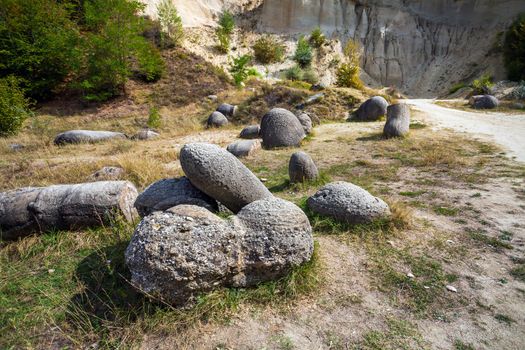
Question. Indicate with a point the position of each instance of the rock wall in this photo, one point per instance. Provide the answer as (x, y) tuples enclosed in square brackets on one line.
[(421, 46)]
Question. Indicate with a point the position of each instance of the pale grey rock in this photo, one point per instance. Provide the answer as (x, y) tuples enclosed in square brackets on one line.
[(244, 148), (87, 136), (213, 98), (316, 98), (221, 175), (217, 120), (227, 109), (281, 128), (348, 203), (398, 121), (484, 102), (372, 109), (251, 132), (167, 193), (107, 173), (302, 168), (186, 251), (306, 122), (146, 134), (16, 147)]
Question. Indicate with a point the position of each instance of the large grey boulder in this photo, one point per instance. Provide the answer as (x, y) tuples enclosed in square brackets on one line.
[(220, 175), (216, 120), (398, 121), (348, 203), (38, 209), (244, 148), (168, 193), (87, 136), (227, 109), (302, 168), (372, 109), (281, 128), (306, 122), (181, 253), (484, 102), (145, 134), (250, 132)]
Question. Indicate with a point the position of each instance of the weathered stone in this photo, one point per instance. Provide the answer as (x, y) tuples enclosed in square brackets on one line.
[(37, 209), (302, 168), (220, 175), (306, 122), (281, 128), (107, 173), (227, 109), (87, 136), (484, 102), (348, 203), (212, 98), (168, 193), (181, 253), (251, 132), (398, 121), (216, 120), (244, 148), (311, 100), (372, 109), (145, 134), (16, 147)]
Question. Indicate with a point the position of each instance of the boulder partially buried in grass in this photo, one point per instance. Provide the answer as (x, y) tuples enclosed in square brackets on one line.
[(217, 120), (250, 132), (372, 109), (87, 136), (302, 168)]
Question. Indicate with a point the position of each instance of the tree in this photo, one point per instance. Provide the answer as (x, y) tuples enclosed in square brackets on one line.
[(224, 31), (348, 72), (514, 50), (171, 23), (303, 54), (14, 107)]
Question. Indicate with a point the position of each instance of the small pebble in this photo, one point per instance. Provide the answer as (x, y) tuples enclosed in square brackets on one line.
[(263, 179), (50, 270), (449, 241), (410, 275), (426, 287), (452, 289)]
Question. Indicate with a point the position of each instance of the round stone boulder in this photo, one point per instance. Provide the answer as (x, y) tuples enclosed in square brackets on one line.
[(398, 121), (145, 134), (250, 132), (216, 120), (86, 136), (484, 102), (302, 168), (348, 203), (306, 122), (221, 175), (168, 193), (227, 109), (281, 128), (372, 109), (244, 148)]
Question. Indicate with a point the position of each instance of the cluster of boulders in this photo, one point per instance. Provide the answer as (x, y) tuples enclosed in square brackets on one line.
[(397, 115), (219, 117)]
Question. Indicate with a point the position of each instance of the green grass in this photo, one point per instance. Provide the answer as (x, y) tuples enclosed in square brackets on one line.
[(491, 241), (446, 211), (460, 345), (519, 272), (504, 319), (412, 193), (400, 334)]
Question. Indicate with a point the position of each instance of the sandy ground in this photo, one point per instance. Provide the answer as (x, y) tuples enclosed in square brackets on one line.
[(505, 130)]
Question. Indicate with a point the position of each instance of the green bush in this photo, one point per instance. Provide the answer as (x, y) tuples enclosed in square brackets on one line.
[(154, 118), (294, 73), (14, 107), (268, 49), (240, 71), (303, 54), (317, 38), (347, 74), (225, 31), (456, 87), (310, 76), (514, 50), (482, 85), (172, 32)]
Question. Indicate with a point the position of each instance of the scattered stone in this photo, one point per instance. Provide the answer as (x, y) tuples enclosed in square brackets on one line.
[(39, 209), (146, 134), (220, 175), (107, 173), (217, 120), (302, 168), (168, 193), (311, 100), (244, 148), (398, 121), (372, 109), (306, 122), (251, 132), (449, 241), (50, 271), (227, 109), (348, 203), (212, 98), (452, 289), (181, 253), (410, 275), (16, 147), (318, 87), (86, 136), (281, 128), (263, 179), (484, 102), (426, 287)]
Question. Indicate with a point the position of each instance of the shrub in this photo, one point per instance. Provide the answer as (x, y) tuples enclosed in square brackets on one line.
[(310, 76), (154, 118), (172, 32), (294, 73), (240, 71), (347, 74), (456, 87), (303, 53), (268, 49), (14, 107), (224, 41), (225, 31), (317, 38), (482, 85), (514, 50)]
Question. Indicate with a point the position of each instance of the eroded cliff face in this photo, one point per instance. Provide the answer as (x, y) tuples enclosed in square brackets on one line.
[(421, 46)]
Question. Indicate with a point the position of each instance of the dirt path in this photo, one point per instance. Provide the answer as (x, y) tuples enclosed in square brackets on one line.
[(506, 130)]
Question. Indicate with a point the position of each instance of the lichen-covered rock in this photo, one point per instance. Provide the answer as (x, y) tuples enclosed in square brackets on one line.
[(145, 134), (306, 122), (398, 121), (168, 193), (348, 203), (244, 148), (86, 136), (250, 132), (372, 109), (217, 120), (227, 109), (281, 128), (185, 251), (221, 175), (107, 173), (484, 102), (302, 168)]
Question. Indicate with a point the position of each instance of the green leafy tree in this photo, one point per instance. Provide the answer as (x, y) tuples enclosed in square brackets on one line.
[(154, 118), (14, 107), (483, 85), (317, 38), (303, 54), (268, 49), (514, 50), (172, 32), (240, 71), (347, 75), (224, 31)]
